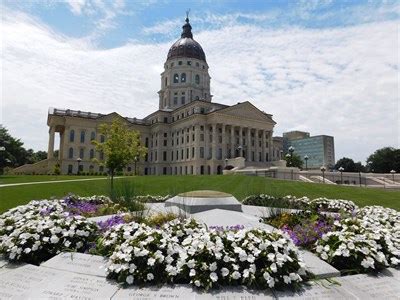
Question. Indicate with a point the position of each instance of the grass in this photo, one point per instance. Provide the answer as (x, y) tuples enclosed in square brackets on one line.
[(36, 178), (237, 185)]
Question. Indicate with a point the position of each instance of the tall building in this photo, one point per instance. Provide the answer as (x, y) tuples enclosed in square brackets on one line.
[(319, 149), (188, 134)]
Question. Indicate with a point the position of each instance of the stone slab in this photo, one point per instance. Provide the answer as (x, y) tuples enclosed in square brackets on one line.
[(182, 292), (73, 286), (221, 217), (23, 279), (235, 294), (265, 212), (315, 290), (78, 263), (391, 272), (317, 266), (196, 204), (371, 287)]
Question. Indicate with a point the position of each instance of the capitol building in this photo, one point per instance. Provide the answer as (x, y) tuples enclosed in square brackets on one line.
[(188, 134)]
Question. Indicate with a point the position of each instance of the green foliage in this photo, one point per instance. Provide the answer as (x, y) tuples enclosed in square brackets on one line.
[(294, 161), (384, 160), (121, 146), (13, 154), (57, 170), (349, 165)]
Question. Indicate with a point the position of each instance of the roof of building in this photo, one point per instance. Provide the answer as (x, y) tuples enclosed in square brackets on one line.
[(186, 46)]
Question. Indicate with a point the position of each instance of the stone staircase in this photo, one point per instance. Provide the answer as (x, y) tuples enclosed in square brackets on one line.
[(42, 167)]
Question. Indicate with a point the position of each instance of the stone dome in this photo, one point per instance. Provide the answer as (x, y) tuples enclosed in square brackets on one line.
[(186, 46)]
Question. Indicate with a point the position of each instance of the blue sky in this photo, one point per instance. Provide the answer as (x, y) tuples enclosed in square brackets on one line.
[(328, 67)]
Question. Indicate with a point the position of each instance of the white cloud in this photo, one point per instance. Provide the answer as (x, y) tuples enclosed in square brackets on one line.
[(342, 82)]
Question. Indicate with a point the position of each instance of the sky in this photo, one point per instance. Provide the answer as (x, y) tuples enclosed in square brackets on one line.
[(322, 66)]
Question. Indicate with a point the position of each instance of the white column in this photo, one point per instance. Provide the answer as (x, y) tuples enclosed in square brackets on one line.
[(240, 141), (233, 142), (270, 146), (50, 150), (224, 143), (263, 151), (248, 144), (214, 141)]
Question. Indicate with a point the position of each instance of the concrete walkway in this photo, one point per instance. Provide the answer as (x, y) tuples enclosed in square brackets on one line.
[(54, 181)]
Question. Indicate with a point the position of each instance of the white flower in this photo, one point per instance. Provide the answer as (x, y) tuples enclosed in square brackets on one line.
[(197, 283), (213, 267), (192, 273), (129, 279), (54, 239), (150, 276), (213, 276), (224, 272), (236, 275), (273, 267), (150, 262)]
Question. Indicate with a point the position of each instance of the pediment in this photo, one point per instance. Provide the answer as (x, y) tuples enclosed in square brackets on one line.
[(111, 117), (246, 110)]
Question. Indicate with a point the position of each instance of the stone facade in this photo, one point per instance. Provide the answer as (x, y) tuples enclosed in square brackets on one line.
[(189, 134)]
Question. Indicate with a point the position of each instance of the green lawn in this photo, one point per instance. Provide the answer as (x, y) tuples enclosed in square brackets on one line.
[(5, 179), (239, 186)]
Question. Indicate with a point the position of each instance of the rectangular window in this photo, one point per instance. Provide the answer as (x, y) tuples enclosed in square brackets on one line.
[(202, 137), (192, 152), (182, 154), (201, 152), (172, 155), (165, 156), (192, 137), (165, 143)]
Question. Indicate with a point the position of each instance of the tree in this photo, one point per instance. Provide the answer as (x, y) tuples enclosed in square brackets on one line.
[(384, 160), (347, 164), (120, 147), (294, 161), (12, 153)]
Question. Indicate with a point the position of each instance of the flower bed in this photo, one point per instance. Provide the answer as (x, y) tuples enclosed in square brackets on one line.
[(303, 203), (164, 249), (186, 252)]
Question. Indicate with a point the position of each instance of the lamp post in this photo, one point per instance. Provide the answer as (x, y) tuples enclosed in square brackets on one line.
[(79, 164), (306, 159), (291, 150), (341, 169), (135, 160), (323, 169), (393, 172), (281, 154)]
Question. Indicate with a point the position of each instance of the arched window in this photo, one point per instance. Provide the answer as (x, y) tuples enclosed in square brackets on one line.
[(92, 136), (82, 136), (102, 139), (71, 153), (183, 77), (176, 78), (72, 135), (81, 153), (197, 79), (91, 154)]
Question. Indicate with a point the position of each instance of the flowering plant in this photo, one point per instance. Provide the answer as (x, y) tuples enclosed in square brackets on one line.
[(36, 239), (90, 206), (186, 252), (332, 205), (370, 240), (152, 198)]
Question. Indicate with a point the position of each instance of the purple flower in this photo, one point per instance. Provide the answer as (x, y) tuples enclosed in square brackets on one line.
[(114, 220)]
